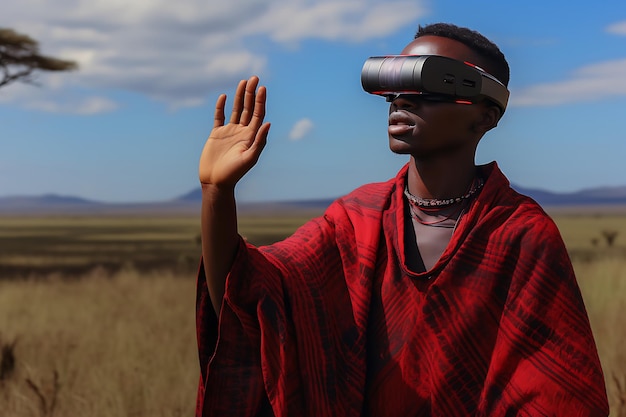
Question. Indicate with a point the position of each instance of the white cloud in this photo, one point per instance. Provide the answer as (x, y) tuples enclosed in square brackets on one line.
[(178, 52), (353, 20), (52, 97), (618, 28), (589, 83), (84, 106), (300, 129)]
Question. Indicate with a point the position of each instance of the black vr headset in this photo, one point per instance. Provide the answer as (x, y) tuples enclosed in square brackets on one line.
[(435, 77)]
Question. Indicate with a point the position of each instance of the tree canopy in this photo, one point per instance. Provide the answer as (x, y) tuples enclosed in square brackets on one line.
[(20, 58)]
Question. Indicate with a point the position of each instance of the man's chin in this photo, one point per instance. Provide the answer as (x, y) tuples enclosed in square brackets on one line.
[(399, 146)]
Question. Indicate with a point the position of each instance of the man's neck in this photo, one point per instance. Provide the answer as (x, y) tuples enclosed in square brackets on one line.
[(440, 179)]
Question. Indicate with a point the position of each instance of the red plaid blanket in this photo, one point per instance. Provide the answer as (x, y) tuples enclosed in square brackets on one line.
[(331, 322)]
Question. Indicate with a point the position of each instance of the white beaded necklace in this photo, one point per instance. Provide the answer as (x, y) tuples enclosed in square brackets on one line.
[(435, 202)]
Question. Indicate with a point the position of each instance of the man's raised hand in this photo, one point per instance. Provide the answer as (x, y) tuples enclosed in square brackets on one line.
[(232, 149)]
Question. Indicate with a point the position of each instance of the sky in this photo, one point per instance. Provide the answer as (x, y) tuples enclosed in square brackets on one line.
[(130, 123)]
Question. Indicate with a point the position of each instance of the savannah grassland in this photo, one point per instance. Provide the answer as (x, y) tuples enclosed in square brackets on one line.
[(97, 314)]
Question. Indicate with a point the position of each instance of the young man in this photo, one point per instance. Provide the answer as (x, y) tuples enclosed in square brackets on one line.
[(441, 292)]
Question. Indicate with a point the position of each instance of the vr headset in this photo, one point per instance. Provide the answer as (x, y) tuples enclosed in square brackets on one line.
[(435, 77)]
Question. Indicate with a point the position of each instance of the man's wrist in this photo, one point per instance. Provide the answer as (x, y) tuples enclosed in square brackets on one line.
[(213, 191)]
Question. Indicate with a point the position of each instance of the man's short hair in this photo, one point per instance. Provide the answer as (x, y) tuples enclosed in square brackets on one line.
[(498, 66)]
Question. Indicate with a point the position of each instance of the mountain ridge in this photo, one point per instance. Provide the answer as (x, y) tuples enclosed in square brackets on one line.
[(190, 202)]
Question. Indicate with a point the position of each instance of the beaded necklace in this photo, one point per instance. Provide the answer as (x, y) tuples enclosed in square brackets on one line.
[(477, 184), (442, 211), (446, 221)]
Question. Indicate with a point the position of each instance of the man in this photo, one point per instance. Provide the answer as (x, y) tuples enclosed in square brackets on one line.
[(441, 292)]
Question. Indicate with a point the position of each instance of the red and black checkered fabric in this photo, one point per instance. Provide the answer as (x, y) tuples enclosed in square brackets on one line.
[(331, 322)]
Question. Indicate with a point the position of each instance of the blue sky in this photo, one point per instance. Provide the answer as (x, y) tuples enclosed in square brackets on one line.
[(130, 124)]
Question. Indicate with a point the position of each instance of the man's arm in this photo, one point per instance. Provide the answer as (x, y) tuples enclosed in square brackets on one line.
[(231, 150)]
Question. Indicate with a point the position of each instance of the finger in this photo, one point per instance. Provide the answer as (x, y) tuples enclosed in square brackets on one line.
[(219, 118), (261, 137), (259, 108), (260, 140), (249, 100), (238, 102)]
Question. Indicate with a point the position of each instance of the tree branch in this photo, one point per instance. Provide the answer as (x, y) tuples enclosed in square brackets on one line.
[(20, 57)]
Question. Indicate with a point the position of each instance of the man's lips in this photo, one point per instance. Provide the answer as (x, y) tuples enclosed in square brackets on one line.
[(400, 123)]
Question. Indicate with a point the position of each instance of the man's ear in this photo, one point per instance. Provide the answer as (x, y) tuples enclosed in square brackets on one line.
[(490, 117)]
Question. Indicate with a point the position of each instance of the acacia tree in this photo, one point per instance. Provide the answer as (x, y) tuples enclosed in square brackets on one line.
[(20, 58)]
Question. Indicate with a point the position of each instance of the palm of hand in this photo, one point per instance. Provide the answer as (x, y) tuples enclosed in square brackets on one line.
[(226, 156), (232, 149)]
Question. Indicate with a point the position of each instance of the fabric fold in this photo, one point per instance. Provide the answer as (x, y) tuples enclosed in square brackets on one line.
[(331, 321)]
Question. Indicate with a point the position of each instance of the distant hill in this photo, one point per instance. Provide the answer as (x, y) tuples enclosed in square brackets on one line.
[(44, 203), (46, 199), (193, 195), (190, 203), (591, 196), (600, 196), (58, 204)]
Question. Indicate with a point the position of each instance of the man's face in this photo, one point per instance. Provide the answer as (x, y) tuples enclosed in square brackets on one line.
[(425, 128)]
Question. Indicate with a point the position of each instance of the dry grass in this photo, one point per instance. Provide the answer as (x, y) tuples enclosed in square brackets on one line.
[(119, 346), (603, 284), (73, 246)]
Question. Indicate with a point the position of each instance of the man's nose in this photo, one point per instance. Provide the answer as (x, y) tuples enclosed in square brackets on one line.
[(400, 101)]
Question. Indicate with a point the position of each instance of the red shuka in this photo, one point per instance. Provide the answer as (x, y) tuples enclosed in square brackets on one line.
[(331, 322)]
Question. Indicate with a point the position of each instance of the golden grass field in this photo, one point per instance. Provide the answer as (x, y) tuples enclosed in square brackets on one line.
[(97, 314)]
